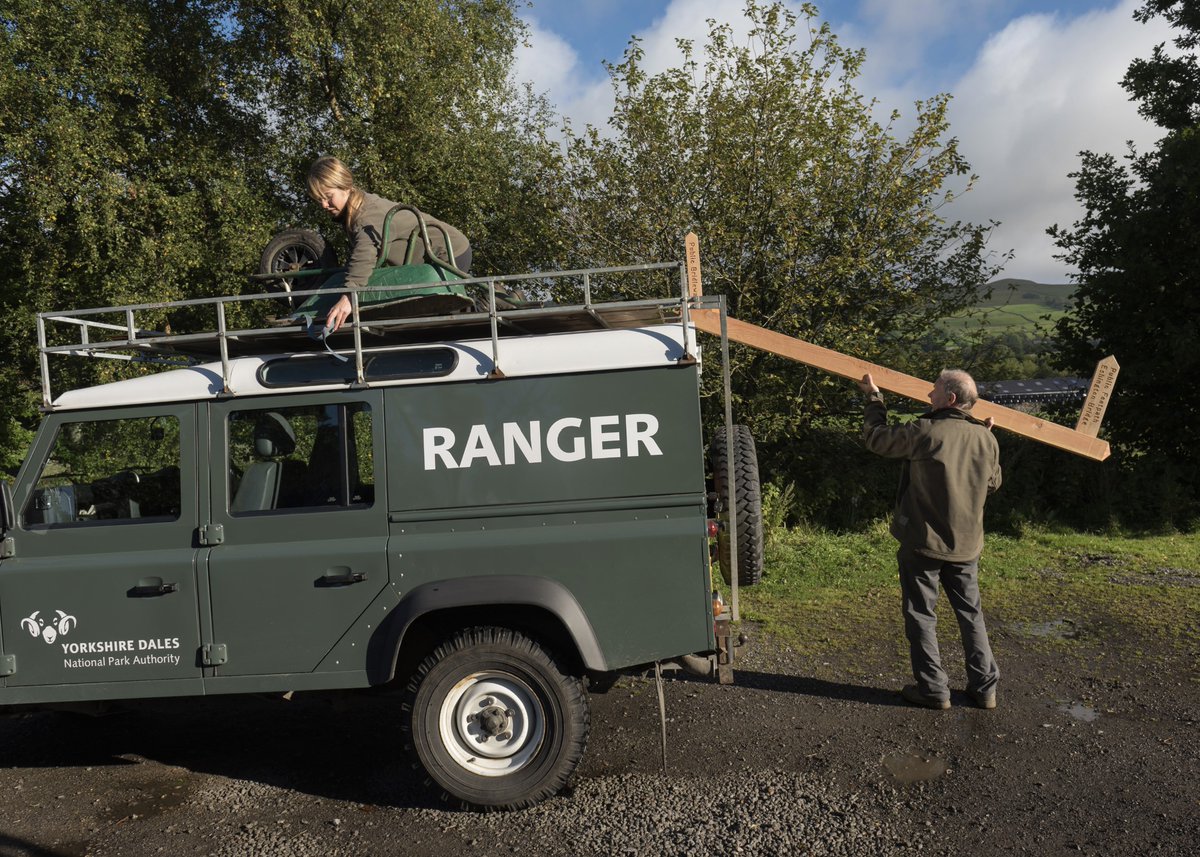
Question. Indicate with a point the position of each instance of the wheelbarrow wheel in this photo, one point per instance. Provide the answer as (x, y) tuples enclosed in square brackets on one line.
[(296, 250)]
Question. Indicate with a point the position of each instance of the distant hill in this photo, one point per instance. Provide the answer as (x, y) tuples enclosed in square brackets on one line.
[(1017, 304), (1052, 296)]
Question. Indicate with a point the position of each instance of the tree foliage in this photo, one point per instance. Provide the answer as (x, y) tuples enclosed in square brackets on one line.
[(1137, 250), (127, 174), (149, 149), (415, 97), (1167, 84), (815, 219)]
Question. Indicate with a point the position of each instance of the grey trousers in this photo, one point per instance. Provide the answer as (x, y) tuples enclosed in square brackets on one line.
[(919, 578)]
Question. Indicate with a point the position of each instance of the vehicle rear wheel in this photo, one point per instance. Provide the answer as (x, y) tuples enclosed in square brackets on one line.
[(494, 720), (747, 517), (296, 250)]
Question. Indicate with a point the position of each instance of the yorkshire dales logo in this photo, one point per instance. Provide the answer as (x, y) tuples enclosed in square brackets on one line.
[(159, 651), (48, 630)]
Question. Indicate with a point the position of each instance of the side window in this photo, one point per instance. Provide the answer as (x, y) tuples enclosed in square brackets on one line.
[(107, 471), (306, 457)]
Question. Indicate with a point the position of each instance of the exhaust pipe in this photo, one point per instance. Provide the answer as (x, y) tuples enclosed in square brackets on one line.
[(698, 665)]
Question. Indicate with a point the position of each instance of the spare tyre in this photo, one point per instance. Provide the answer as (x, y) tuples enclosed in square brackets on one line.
[(296, 250), (747, 517)]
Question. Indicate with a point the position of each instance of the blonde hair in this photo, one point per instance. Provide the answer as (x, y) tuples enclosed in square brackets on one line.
[(328, 173)]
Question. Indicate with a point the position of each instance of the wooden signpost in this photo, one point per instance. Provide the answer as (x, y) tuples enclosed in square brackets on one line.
[(1103, 381), (691, 246)]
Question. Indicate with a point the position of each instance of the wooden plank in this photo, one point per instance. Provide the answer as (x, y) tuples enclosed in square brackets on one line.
[(835, 362), (1103, 381)]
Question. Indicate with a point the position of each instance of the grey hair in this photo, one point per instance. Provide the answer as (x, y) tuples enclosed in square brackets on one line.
[(962, 385)]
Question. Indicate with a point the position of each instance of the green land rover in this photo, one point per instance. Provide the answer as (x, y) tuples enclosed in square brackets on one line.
[(480, 523)]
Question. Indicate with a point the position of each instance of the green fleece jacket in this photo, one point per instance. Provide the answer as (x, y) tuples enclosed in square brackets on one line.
[(366, 237), (952, 463)]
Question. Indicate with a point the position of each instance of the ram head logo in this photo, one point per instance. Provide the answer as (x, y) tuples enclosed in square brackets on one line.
[(48, 629)]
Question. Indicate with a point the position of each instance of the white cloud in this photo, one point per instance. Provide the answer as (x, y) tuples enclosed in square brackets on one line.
[(547, 61), (1040, 91), (897, 35), (586, 96), (552, 67), (688, 19)]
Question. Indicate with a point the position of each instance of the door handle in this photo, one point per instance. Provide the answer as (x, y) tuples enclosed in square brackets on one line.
[(341, 576), (150, 587)]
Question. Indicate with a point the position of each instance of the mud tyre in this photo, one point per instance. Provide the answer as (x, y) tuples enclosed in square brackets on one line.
[(494, 720), (747, 517)]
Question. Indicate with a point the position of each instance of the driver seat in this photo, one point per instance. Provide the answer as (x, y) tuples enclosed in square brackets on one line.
[(269, 482)]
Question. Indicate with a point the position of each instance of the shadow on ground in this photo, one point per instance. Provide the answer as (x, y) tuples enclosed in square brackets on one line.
[(344, 749)]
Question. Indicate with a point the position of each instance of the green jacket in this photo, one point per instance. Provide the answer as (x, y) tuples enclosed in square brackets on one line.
[(952, 463), (366, 237)]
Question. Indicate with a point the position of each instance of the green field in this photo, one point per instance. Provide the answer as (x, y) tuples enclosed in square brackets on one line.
[(1016, 305)]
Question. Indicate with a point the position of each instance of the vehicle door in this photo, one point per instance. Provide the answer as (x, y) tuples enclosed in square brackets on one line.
[(304, 545), (100, 586)]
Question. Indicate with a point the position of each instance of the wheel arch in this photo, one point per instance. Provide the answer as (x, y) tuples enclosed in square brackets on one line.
[(541, 608)]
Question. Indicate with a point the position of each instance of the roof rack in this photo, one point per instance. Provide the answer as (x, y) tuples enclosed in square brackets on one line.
[(80, 333)]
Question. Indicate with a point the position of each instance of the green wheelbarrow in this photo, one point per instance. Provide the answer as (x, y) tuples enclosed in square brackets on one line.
[(300, 260)]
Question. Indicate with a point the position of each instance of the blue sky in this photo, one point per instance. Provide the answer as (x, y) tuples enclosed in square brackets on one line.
[(1034, 82)]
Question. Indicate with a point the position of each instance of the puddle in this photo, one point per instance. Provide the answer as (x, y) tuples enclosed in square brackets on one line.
[(1183, 577), (1079, 711), (913, 767), (1103, 559), (153, 804), (1058, 629)]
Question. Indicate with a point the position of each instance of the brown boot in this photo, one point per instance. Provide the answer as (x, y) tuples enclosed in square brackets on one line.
[(912, 693), (983, 700)]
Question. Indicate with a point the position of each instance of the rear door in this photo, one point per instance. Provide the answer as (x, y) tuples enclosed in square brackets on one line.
[(303, 548), (101, 584)]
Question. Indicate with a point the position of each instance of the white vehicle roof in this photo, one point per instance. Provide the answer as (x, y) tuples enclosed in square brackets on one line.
[(552, 354)]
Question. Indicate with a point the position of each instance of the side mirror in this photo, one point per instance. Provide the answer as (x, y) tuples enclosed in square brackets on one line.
[(8, 516)]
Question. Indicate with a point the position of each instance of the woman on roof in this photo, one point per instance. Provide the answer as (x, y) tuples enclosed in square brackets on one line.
[(361, 214)]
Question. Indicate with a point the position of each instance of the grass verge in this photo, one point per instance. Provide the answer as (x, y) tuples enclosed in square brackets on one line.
[(821, 588)]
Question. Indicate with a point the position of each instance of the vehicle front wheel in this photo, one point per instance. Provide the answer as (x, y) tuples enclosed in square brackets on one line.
[(494, 720)]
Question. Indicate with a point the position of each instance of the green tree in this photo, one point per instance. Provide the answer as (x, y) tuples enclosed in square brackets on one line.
[(149, 148), (415, 97), (1137, 250), (127, 173), (815, 219)]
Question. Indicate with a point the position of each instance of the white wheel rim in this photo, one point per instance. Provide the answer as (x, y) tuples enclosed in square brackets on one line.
[(491, 723)]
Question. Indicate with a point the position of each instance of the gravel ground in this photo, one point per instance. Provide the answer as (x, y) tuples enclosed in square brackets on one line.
[(1094, 749), (631, 814)]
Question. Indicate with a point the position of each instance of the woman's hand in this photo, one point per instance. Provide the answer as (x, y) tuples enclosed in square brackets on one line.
[(338, 314)]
